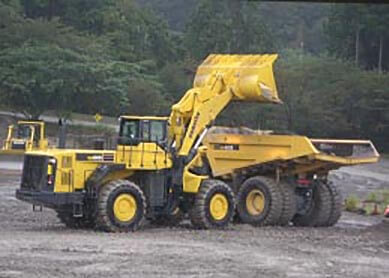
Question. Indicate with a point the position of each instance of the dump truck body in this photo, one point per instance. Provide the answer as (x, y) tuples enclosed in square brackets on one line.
[(292, 154)]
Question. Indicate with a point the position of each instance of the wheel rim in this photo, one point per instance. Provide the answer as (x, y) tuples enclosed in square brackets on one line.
[(255, 202), (124, 207), (218, 206)]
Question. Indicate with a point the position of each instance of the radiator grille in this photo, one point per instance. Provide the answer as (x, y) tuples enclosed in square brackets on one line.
[(67, 162), (66, 178), (18, 146), (34, 172)]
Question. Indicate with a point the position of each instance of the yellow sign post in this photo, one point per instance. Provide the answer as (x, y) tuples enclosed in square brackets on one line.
[(98, 117)]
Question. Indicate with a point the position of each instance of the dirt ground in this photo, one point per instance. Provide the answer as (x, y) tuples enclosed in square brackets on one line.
[(35, 244)]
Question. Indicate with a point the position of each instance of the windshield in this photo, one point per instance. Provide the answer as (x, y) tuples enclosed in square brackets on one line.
[(130, 129), (23, 132)]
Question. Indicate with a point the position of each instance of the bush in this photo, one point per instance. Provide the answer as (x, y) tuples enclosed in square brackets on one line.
[(352, 203)]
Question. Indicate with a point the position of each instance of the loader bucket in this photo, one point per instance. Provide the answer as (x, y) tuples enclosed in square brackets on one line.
[(250, 77)]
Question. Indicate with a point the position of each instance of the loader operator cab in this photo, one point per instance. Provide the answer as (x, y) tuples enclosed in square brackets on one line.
[(136, 130), (29, 132)]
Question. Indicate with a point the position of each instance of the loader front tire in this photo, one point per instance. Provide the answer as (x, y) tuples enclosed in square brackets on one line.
[(121, 207), (214, 205), (318, 214), (260, 201)]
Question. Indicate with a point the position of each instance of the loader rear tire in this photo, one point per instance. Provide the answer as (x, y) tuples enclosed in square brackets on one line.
[(214, 205), (121, 207), (336, 203), (260, 201), (289, 208), (319, 212)]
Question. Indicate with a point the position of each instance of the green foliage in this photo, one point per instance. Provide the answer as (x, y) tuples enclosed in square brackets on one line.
[(137, 34), (32, 81), (115, 57), (321, 91), (296, 25), (177, 78), (377, 201), (354, 32), (176, 12), (39, 76), (232, 27), (372, 197), (352, 203), (384, 198)]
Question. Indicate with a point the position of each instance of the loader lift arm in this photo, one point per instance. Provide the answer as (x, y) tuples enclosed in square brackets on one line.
[(219, 80)]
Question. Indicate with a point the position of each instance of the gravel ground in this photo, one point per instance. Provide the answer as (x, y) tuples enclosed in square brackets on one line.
[(35, 244), (362, 179)]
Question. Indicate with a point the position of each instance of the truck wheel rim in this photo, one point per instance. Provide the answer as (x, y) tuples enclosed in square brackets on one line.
[(124, 207), (219, 206), (255, 202)]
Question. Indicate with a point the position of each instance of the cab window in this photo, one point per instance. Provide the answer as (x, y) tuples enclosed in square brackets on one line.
[(129, 132), (23, 132), (158, 131), (130, 129), (153, 131), (146, 131)]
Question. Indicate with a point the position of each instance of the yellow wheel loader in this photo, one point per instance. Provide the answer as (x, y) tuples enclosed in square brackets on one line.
[(25, 136), (165, 168)]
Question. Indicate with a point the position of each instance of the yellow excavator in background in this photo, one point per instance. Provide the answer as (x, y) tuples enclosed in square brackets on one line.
[(26, 135), (167, 167)]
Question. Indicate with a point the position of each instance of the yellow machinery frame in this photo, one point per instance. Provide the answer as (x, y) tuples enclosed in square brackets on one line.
[(28, 143)]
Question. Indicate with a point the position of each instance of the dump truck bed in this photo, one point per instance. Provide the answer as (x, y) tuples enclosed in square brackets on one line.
[(292, 154)]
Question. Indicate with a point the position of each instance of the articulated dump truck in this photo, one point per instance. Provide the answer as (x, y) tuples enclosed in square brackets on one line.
[(167, 168)]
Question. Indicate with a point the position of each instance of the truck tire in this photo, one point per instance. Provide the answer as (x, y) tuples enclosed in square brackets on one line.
[(336, 203), (260, 201), (72, 222), (121, 207), (289, 208), (320, 210), (214, 205)]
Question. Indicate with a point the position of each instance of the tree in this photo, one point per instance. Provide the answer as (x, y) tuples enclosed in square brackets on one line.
[(359, 31), (218, 28), (174, 11), (177, 78), (377, 19), (37, 77)]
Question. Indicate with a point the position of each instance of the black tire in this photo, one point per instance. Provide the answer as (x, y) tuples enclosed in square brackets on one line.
[(72, 222), (336, 203), (319, 211), (106, 219), (200, 214), (289, 208), (173, 219), (273, 201)]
